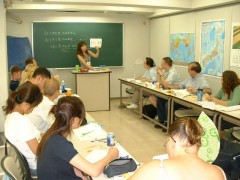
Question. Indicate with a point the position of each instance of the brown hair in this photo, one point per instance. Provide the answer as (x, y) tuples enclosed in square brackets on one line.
[(27, 92), (79, 50), (41, 71), (195, 67), (29, 60), (15, 69), (150, 62), (51, 86), (187, 128), (168, 61), (66, 109), (229, 81)]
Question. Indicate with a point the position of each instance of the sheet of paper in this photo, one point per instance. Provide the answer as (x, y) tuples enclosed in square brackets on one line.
[(95, 42), (181, 93), (208, 105), (230, 108), (91, 131)]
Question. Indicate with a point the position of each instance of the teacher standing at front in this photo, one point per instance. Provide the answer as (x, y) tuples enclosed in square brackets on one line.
[(84, 55)]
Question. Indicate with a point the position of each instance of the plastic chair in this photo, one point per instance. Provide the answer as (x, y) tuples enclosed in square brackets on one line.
[(186, 113), (10, 168), (19, 164)]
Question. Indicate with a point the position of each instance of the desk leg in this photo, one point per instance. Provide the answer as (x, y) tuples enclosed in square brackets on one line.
[(219, 124), (169, 119), (141, 103), (121, 103), (172, 111), (215, 118)]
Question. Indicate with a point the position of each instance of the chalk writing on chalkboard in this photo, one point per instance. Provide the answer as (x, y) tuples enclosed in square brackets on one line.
[(55, 43)]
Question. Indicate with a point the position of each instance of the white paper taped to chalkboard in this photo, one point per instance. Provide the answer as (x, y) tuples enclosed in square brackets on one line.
[(95, 42)]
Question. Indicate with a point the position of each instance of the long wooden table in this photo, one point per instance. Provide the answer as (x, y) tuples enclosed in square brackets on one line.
[(93, 146), (218, 115)]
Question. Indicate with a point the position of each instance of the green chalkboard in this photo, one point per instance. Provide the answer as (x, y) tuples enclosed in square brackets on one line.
[(55, 43)]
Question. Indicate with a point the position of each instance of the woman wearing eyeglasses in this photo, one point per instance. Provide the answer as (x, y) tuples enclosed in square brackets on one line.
[(183, 143)]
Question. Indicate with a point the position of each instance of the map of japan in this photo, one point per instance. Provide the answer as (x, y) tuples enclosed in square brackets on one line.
[(212, 47)]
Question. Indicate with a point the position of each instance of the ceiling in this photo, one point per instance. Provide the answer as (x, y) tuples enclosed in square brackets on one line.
[(148, 8)]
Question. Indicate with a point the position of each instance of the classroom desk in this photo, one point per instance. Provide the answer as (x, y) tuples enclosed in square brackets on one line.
[(232, 117), (194, 104), (142, 86), (128, 82), (88, 145), (160, 93), (94, 89)]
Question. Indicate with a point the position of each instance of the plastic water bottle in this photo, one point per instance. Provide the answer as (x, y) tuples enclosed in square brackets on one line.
[(154, 80), (134, 75), (63, 86), (199, 94)]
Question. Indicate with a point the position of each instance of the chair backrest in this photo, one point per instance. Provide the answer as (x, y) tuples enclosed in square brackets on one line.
[(20, 162), (10, 168)]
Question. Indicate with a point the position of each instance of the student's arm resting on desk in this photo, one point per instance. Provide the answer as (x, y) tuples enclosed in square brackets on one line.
[(80, 58), (94, 169), (173, 86), (235, 100), (194, 90), (95, 55)]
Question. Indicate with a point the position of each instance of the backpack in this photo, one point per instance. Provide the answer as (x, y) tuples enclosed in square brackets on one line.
[(149, 110), (229, 159)]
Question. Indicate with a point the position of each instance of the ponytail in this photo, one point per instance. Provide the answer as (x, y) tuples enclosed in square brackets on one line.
[(10, 103)]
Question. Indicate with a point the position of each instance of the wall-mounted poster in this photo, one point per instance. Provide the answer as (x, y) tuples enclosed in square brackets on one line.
[(212, 47), (235, 45)]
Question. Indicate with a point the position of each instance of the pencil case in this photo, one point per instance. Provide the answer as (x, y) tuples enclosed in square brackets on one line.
[(120, 166)]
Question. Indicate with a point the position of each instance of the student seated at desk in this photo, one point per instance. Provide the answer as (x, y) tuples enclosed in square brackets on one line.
[(16, 73), (192, 83), (40, 75), (167, 74), (229, 94), (57, 158), (148, 76), (19, 129), (183, 143), (31, 66), (40, 116), (84, 55)]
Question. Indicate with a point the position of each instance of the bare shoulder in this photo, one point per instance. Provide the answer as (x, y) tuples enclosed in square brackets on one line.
[(218, 172), (148, 170)]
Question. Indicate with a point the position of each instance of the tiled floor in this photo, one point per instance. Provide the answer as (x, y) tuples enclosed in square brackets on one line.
[(136, 135)]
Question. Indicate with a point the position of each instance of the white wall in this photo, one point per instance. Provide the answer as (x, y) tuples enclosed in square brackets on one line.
[(136, 40), (160, 29), (3, 60)]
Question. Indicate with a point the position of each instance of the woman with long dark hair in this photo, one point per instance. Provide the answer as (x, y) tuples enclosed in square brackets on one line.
[(57, 158), (229, 94), (19, 129), (84, 55)]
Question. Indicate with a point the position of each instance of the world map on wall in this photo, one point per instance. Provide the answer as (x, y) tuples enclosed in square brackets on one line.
[(182, 48), (212, 47)]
